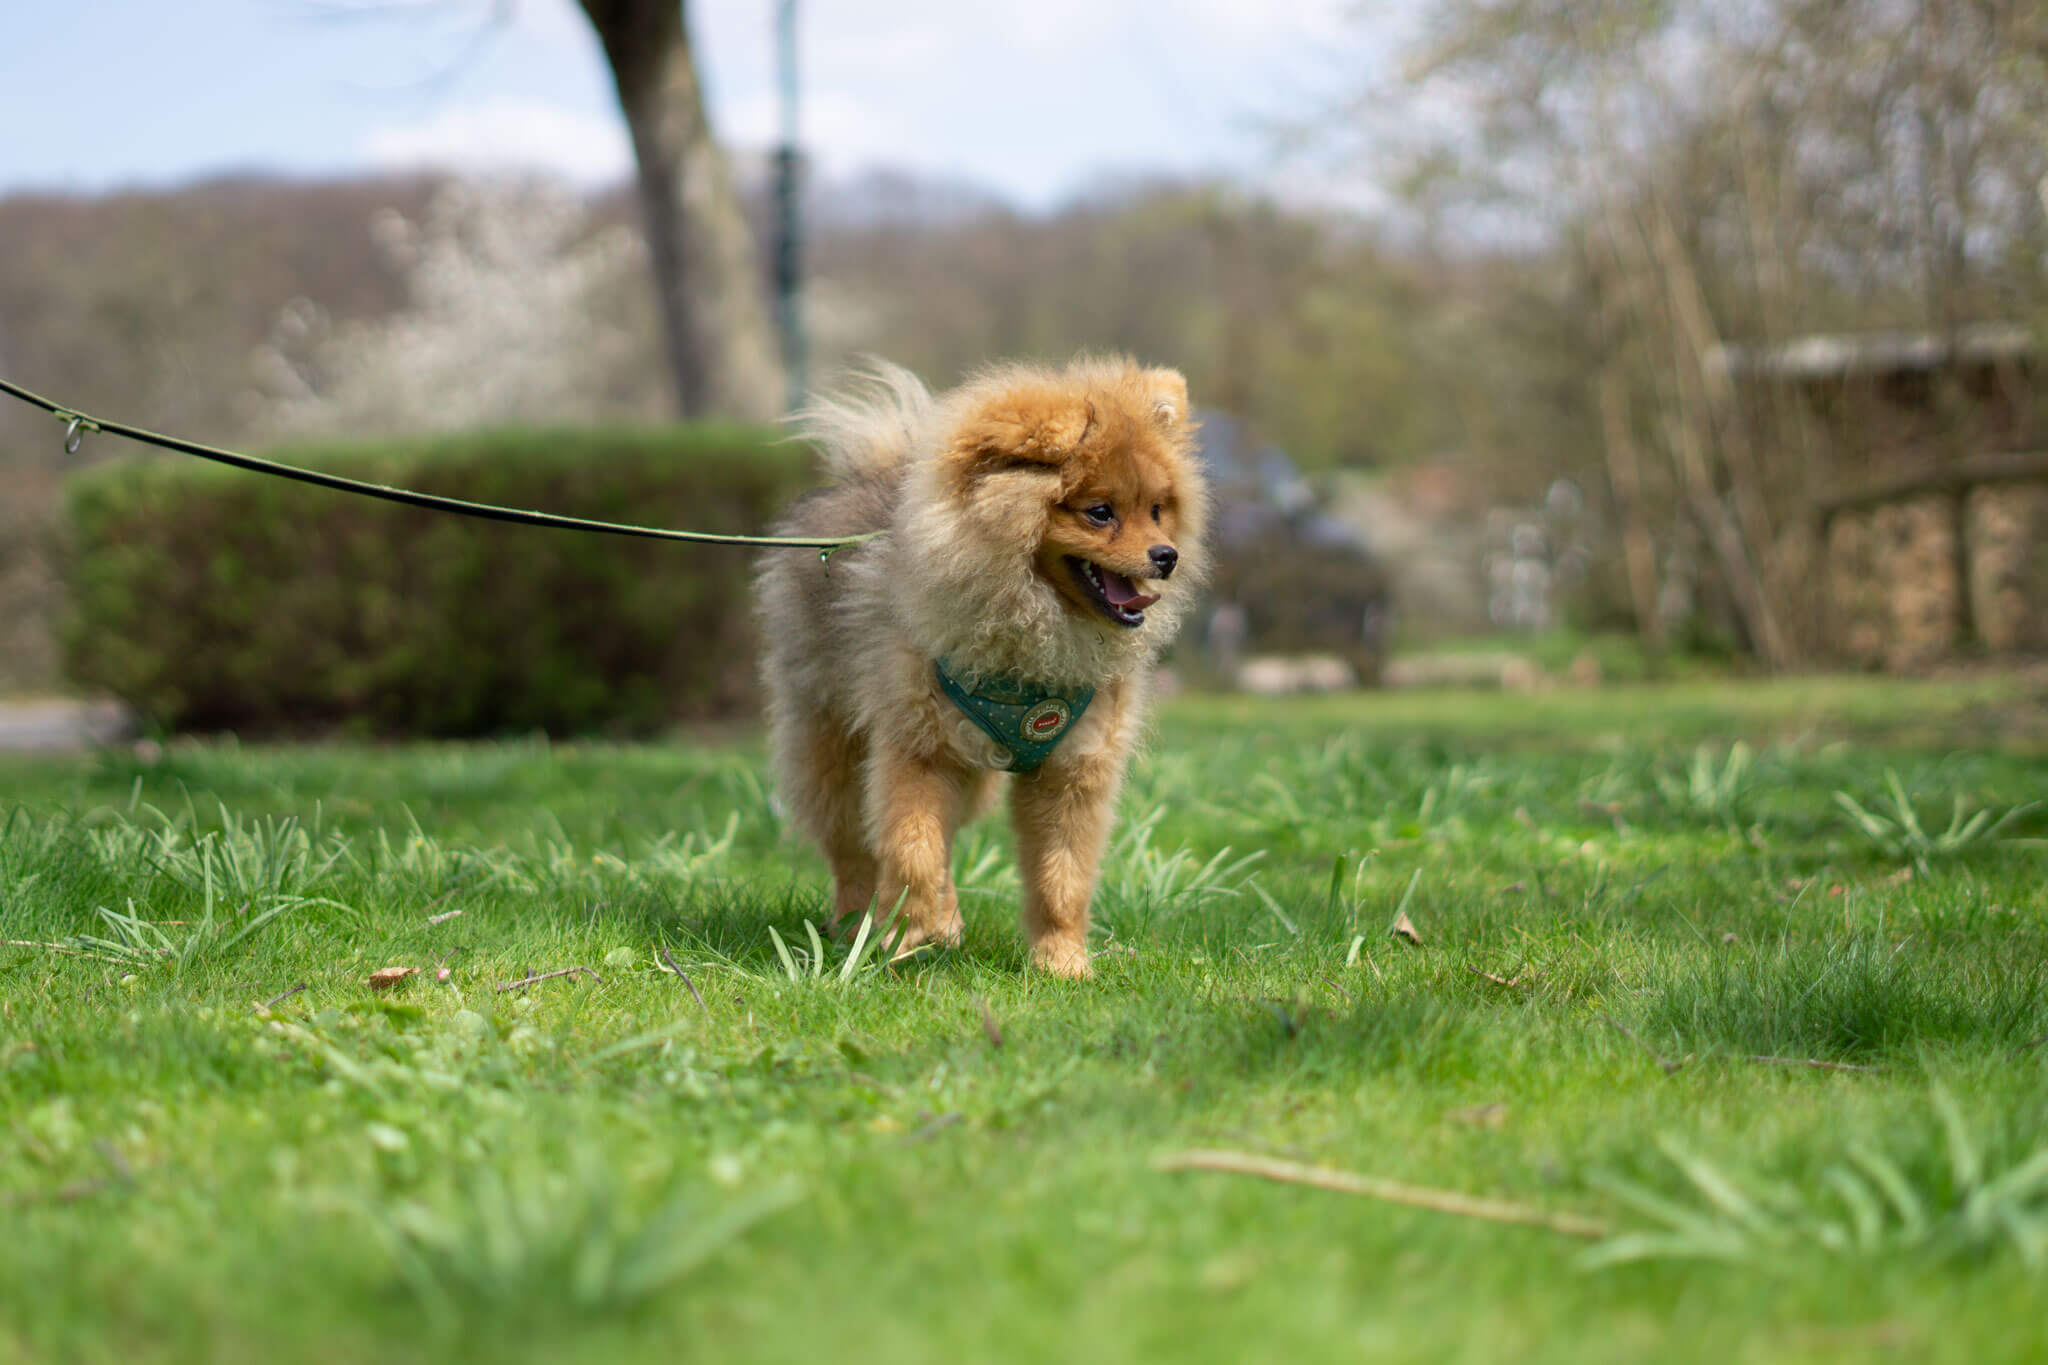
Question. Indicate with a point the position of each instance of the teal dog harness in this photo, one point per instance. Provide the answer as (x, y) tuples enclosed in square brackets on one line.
[(1026, 721)]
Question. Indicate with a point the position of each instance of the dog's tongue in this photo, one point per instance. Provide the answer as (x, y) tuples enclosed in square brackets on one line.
[(1121, 592)]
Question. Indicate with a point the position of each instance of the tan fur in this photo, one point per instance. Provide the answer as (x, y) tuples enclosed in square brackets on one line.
[(984, 492)]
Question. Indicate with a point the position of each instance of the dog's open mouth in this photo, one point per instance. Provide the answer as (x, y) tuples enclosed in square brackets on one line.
[(1118, 597)]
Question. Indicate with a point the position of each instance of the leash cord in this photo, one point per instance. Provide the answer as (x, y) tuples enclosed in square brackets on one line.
[(78, 423)]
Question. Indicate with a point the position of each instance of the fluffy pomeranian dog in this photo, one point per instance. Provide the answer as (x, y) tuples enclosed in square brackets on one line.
[(1043, 540)]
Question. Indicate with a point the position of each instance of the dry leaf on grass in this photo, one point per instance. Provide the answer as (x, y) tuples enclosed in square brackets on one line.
[(1405, 929), (384, 978)]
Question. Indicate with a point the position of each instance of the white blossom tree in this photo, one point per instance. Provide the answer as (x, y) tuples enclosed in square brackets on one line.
[(516, 316)]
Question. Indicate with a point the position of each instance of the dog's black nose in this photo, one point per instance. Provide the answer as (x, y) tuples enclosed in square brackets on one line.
[(1163, 558)]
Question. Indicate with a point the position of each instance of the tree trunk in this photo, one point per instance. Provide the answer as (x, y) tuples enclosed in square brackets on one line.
[(714, 319), (1639, 550), (1671, 318), (1707, 408)]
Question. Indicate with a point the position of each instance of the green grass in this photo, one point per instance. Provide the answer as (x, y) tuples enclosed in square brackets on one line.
[(950, 1160)]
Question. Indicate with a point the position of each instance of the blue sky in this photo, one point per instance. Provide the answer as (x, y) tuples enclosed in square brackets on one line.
[(1035, 99)]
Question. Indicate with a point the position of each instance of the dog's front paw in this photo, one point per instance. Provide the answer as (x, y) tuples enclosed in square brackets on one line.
[(1062, 958)]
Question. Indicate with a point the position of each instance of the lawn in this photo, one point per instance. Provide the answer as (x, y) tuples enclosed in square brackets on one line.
[(1774, 1059)]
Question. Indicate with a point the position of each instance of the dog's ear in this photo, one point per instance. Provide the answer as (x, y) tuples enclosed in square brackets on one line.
[(1169, 397), (1025, 428)]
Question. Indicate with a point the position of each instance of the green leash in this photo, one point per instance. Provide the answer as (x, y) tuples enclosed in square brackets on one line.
[(78, 423)]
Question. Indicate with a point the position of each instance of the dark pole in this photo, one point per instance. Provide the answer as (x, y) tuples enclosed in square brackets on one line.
[(789, 314)]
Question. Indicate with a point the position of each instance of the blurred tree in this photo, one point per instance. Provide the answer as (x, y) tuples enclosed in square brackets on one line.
[(714, 318), (1750, 171), (145, 304), (1306, 325), (514, 317)]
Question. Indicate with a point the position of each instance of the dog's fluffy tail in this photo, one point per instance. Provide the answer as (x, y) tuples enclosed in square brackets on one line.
[(872, 424)]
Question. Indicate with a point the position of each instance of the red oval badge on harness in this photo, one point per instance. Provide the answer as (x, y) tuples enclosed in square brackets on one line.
[(1046, 719)]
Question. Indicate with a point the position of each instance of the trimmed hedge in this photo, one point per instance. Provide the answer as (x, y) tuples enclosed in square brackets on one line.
[(214, 599)]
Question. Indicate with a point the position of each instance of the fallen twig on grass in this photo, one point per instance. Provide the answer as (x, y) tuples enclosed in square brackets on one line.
[(64, 1194), (929, 1130), (531, 979), (1481, 1115), (118, 1163), (64, 948), (1811, 1063), (1670, 1067), (676, 967), (1518, 979), (1388, 1191), (443, 917), (1289, 1025), (1605, 810), (1814, 1063), (282, 996), (988, 1023)]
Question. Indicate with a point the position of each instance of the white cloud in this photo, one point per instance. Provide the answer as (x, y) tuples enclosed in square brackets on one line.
[(508, 135)]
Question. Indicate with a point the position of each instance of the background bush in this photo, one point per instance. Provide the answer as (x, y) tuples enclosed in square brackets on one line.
[(214, 599)]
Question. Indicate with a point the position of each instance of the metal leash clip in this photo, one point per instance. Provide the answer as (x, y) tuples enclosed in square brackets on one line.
[(74, 433)]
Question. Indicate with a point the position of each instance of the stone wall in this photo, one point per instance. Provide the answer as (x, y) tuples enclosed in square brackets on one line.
[(1903, 595), (1857, 593), (1917, 538), (2007, 530)]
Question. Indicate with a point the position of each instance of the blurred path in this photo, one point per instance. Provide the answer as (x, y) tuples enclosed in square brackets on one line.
[(57, 726)]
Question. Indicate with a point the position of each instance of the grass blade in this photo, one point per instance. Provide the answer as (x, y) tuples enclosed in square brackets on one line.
[(782, 951)]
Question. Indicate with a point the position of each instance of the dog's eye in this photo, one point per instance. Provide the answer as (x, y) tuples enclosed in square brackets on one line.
[(1101, 514), (1155, 511)]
